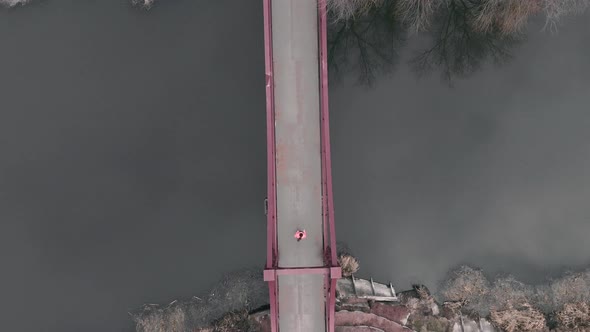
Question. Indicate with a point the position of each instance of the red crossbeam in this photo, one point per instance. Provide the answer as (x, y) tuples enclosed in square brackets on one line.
[(334, 272)]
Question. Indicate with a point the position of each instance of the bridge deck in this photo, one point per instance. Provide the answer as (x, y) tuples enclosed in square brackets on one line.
[(301, 297)]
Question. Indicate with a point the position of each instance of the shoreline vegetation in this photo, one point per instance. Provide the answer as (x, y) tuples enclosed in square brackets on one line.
[(466, 297)]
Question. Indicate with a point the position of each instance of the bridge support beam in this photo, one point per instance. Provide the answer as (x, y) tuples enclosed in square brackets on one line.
[(334, 272)]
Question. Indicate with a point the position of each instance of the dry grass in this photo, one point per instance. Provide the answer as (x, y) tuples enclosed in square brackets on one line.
[(423, 292), (236, 292), (522, 318), (349, 265), (574, 315), (234, 321), (154, 318), (429, 324)]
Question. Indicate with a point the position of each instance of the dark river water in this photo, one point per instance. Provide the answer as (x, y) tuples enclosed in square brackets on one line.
[(133, 160)]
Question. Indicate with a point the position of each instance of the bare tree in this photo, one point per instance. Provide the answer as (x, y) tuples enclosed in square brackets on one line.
[(505, 16), (507, 292), (466, 34), (458, 49), (555, 10), (367, 43), (465, 284), (348, 9), (417, 15), (147, 4), (12, 3)]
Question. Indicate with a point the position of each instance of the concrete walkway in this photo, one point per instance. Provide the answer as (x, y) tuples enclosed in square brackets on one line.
[(298, 163)]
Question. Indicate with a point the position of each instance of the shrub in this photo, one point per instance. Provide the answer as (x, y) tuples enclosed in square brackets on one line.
[(521, 318), (574, 315), (465, 284), (571, 288), (154, 318), (509, 292), (349, 265)]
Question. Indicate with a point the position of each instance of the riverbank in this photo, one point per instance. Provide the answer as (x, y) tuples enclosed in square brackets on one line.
[(467, 301)]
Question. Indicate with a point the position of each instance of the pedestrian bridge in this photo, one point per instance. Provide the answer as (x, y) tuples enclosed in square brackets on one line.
[(301, 274)]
